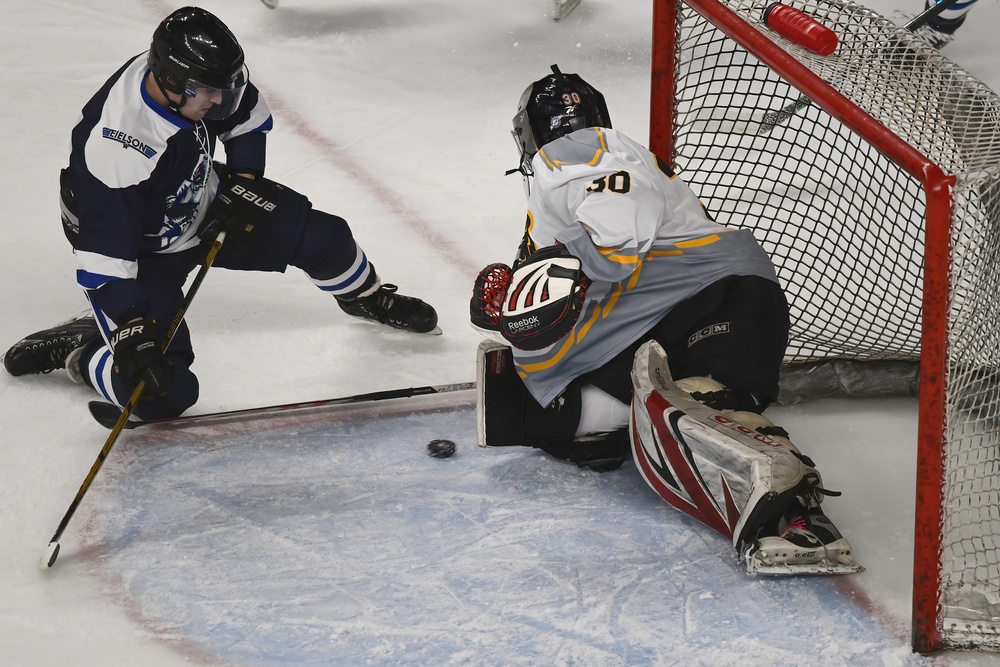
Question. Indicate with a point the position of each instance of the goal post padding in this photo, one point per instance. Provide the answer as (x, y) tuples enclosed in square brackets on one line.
[(872, 178)]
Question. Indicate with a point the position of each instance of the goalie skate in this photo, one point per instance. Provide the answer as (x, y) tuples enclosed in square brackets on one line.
[(809, 544), (735, 473)]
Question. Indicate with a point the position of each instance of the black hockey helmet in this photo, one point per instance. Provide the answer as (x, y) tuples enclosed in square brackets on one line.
[(193, 50), (553, 107)]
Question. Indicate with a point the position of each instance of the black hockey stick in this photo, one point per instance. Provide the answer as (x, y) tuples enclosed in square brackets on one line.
[(774, 118), (52, 550), (929, 13), (107, 415)]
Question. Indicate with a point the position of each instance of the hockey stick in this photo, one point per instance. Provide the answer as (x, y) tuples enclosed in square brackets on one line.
[(929, 13), (52, 550), (774, 118), (107, 415)]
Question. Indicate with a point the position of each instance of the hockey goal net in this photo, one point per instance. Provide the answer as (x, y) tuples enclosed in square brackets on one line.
[(872, 177)]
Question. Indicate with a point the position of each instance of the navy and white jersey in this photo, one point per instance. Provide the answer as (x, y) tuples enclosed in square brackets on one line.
[(141, 179), (642, 236)]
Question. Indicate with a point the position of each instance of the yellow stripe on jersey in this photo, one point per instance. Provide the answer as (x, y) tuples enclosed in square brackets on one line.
[(611, 254), (563, 349), (697, 243), (590, 321), (692, 243)]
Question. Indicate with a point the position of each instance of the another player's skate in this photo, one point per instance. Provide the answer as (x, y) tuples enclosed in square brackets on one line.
[(809, 543), (47, 350), (386, 306)]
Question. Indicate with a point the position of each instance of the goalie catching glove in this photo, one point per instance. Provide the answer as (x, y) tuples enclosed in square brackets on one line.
[(240, 207), (534, 305)]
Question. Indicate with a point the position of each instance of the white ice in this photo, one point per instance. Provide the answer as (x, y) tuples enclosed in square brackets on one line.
[(333, 539)]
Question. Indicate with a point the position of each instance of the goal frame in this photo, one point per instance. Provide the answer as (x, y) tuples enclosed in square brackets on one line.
[(937, 187)]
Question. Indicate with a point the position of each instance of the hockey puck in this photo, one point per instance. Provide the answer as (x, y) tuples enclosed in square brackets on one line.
[(440, 449)]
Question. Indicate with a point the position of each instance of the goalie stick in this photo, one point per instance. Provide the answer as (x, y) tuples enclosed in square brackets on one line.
[(107, 415), (48, 559)]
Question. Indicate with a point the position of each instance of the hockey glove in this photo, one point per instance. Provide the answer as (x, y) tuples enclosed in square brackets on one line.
[(139, 356), (544, 299), (240, 207), (486, 305)]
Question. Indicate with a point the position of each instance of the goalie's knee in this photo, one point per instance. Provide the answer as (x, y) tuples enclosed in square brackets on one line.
[(741, 406), (716, 395)]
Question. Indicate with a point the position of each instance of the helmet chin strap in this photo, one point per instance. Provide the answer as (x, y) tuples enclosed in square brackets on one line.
[(171, 105)]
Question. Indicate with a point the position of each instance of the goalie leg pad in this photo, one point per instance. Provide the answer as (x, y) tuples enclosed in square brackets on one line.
[(706, 463)]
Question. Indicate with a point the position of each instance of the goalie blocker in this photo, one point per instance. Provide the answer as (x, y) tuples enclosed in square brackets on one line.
[(733, 471)]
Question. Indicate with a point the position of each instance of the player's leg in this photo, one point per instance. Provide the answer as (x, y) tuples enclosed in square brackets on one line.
[(162, 278), (940, 29), (323, 246), (734, 331), (337, 264), (508, 415)]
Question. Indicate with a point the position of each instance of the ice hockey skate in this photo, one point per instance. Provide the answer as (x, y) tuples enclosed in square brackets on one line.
[(47, 350), (386, 306), (734, 471), (809, 543)]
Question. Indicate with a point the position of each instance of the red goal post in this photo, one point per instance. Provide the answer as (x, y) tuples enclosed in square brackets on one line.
[(872, 177)]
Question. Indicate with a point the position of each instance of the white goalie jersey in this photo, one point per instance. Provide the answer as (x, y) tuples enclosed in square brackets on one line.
[(643, 238)]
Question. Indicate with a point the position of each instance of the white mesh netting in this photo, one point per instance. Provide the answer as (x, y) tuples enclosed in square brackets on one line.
[(845, 227)]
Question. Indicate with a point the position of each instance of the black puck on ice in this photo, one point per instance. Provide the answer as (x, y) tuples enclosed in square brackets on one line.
[(440, 449)]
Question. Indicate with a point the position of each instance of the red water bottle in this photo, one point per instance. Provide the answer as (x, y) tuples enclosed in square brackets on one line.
[(799, 27)]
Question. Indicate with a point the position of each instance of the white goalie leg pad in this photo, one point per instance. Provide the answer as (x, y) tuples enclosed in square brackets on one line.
[(703, 461)]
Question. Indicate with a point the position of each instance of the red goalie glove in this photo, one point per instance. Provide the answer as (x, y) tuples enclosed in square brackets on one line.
[(486, 306), (534, 306)]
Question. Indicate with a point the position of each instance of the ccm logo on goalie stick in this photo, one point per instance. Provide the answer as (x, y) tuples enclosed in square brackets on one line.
[(544, 299)]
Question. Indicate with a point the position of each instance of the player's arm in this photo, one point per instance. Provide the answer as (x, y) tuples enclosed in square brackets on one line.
[(244, 134)]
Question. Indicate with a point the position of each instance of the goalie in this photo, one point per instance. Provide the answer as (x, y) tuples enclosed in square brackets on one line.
[(623, 282)]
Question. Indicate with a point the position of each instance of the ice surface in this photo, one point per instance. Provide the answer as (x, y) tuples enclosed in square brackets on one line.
[(332, 538)]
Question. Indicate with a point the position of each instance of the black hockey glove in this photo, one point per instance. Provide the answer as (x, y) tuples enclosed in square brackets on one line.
[(240, 207), (139, 356)]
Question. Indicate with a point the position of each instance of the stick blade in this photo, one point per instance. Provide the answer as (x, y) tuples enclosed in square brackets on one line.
[(49, 557)]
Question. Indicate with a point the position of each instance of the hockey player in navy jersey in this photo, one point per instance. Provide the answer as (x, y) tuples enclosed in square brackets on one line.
[(940, 30), (622, 282), (142, 197)]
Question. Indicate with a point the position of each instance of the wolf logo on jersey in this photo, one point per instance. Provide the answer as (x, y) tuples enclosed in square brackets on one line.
[(182, 208)]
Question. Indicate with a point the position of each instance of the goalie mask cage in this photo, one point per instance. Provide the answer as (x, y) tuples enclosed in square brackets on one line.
[(871, 178)]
